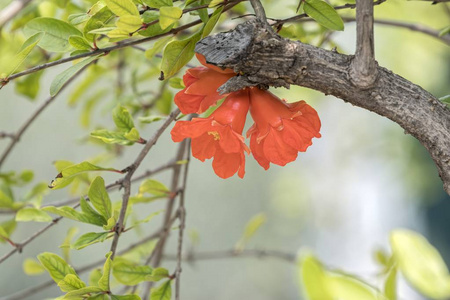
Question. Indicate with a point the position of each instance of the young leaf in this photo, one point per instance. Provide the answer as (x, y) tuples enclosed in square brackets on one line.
[(129, 23), (79, 42), (111, 137), (209, 26), (103, 282), (57, 267), (99, 197), (157, 47), (313, 279), (32, 267), (57, 33), (63, 77), (154, 187), (155, 29), (20, 57), (27, 214), (324, 14), (163, 292), (133, 135), (70, 213), (177, 54), (74, 170), (76, 19), (90, 212), (421, 263), (250, 229), (158, 274), (89, 239), (214, 3), (95, 276), (71, 283), (65, 246), (129, 273), (122, 118), (125, 297), (82, 293), (158, 3), (169, 15), (151, 119), (390, 285), (97, 21), (5, 200), (122, 7), (7, 228)]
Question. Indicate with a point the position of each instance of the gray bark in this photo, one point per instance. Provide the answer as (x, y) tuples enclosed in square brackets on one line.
[(262, 58)]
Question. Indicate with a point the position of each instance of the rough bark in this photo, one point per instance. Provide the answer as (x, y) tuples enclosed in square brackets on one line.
[(262, 58)]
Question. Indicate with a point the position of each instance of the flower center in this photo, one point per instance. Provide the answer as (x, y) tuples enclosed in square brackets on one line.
[(215, 134)]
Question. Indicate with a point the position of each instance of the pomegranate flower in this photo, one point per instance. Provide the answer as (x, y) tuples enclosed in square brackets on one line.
[(281, 129), (201, 87), (219, 135)]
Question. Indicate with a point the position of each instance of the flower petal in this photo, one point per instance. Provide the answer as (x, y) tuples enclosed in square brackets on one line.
[(258, 153), (190, 129), (203, 147), (227, 164), (276, 150)]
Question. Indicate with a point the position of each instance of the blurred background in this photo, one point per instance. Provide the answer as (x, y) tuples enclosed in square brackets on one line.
[(363, 178)]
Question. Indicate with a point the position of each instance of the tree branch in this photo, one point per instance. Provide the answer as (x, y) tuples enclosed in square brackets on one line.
[(258, 253), (291, 62), (12, 10), (363, 70)]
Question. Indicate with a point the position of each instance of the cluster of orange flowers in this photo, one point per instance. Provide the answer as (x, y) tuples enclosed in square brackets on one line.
[(280, 130)]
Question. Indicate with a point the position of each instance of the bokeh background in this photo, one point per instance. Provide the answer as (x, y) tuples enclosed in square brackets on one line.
[(340, 199)]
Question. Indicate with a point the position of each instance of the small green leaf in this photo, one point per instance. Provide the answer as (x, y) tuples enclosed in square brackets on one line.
[(169, 15), (177, 54), (89, 239), (209, 26), (95, 276), (350, 288), (446, 100), (27, 214), (57, 267), (250, 229), (125, 297), (110, 223), (129, 23), (163, 292), (7, 228), (65, 246), (91, 213), (314, 279), (132, 135), (20, 57), (111, 137), (74, 170), (32, 267), (129, 273), (158, 3), (157, 47), (79, 42), (390, 285), (158, 274), (99, 197), (324, 14), (83, 292), (151, 118), (97, 21), (61, 79), (71, 282), (29, 85), (5, 200), (122, 118), (103, 282), (176, 83), (154, 29), (153, 187), (122, 7), (76, 19), (57, 33), (70, 213), (421, 263), (214, 3)]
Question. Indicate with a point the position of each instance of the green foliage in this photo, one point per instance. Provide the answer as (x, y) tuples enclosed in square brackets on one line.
[(177, 54), (130, 273), (169, 15), (57, 267), (89, 239), (250, 229), (324, 14), (122, 7), (27, 214), (162, 292), (20, 57), (158, 3), (99, 197), (32, 267)]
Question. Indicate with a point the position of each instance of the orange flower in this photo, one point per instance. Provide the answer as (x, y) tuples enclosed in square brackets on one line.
[(281, 129), (201, 87), (219, 135)]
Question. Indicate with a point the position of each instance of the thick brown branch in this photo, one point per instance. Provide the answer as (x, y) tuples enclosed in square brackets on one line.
[(266, 59)]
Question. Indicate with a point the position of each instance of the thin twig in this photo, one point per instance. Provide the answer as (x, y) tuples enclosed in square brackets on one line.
[(119, 45), (211, 255), (182, 218), (33, 117), (132, 168), (7, 135), (259, 12)]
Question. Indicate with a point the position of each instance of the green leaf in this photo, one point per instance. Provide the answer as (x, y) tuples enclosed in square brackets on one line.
[(74, 170), (157, 47), (158, 3), (147, 219), (446, 100), (324, 14), (151, 119), (70, 213), (122, 118), (125, 297), (99, 197), (57, 33), (111, 137), (95, 276), (89, 239), (7, 228), (91, 213), (86, 291), (169, 15), (214, 3), (421, 263), (132, 135), (76, 19), (20, 57), (79, 42), (65, 246), (32, 267), (129, 273), (29, 85), (103, 282), (61, 79), (27, 214), (5, 200), (250, 229), (158, 274), (163, 292), (57, 267), (209, 26), (154, 187), (122, 7), (129, 23), (390, 285), (349, 288), (110, 223), (71, 282), (97, 21), (314, 279), (177, 54)]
